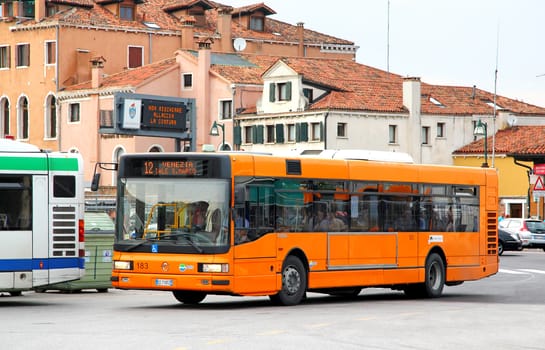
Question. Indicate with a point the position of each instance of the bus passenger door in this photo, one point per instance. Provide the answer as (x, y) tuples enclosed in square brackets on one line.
[(40, 231)]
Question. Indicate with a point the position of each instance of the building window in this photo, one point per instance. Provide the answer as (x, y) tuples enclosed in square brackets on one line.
[(28, 9), (316, 131), (22, 132), (248, 134), (74, 113), (4, 57), (257, 23), (270, 133), (126, 12), (291, 132), (23, 55), (392, 134), (136, 56), (226, 109), (4, 117), (280, 91), (441, 130), (309, 94), (51, 117), (341, 129), (425, 135), (51, 9), (187, 81), (50, 52)]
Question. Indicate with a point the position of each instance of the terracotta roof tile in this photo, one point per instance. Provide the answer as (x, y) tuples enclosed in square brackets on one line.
[(528, 140), (131, 77)]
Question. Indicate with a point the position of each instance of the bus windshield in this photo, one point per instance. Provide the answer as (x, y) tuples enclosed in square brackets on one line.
[(190, 212)]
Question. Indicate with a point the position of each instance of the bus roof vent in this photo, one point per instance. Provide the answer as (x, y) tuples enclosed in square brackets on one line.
[(293, 167)]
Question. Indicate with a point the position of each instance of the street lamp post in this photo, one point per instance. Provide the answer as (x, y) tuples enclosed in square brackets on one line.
[(214, 131), (481, 129)]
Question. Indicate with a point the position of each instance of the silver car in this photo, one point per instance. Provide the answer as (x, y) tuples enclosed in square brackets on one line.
[(531, 231)]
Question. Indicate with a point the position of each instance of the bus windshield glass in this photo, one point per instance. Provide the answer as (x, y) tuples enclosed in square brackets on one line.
[(190, 212)]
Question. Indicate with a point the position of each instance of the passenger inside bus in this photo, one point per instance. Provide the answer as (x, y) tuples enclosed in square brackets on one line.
[(241, 228)]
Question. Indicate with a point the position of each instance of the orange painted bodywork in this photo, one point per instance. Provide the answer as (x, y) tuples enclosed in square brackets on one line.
[(334, 259)]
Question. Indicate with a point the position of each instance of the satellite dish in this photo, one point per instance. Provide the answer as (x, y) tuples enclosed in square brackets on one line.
[(239, 44), (512, 120)]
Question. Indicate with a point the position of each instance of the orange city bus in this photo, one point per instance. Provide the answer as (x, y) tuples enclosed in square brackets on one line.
[(246, 224)]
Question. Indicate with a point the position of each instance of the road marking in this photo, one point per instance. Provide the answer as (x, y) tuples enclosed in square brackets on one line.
[(513, 272), (534, 271)]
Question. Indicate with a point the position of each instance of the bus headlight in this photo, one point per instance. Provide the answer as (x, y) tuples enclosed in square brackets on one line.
[(214, 268), (122, 265)]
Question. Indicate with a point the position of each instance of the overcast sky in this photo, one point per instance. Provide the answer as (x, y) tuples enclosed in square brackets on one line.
[(446, 42)]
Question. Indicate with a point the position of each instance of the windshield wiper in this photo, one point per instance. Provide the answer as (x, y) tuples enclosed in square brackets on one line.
[(184, 235)]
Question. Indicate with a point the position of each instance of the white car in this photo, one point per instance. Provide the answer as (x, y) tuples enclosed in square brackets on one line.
[(530, 231)]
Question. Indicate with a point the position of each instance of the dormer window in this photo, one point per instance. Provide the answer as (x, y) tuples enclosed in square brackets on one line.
[(280, 92), (126, 12), (257, 23)]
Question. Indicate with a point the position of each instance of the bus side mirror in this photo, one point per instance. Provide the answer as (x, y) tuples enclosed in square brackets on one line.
[(96, 182)]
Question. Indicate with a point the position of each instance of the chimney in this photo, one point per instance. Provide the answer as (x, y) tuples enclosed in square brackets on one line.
[(188, 24), (411, 95), (224, 28), (202, 85), (97, 67), (301, 37), (39, 10)]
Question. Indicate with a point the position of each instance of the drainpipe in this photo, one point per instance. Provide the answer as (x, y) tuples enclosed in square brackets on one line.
[(58, 126), (530, 170), (325, 129)]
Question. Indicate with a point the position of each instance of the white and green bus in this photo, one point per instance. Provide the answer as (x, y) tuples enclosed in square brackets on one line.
[(41, 217)]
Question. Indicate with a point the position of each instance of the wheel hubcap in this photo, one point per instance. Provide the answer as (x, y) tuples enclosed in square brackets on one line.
[(292, 280)]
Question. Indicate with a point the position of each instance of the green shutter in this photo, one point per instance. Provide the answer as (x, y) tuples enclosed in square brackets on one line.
[(272, 92), (279, 133), (322, 131), (259, 138), (297, 132), (304, 132), (237, 135), (288, 91)]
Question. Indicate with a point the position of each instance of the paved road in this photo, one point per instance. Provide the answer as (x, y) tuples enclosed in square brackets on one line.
[(506, 311)]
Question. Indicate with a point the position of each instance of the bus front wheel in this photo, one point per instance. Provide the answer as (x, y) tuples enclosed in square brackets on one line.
[(187, 297), (294, 283)]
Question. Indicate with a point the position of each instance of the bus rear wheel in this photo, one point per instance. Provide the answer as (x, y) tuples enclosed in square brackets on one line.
[(188, 297), (294, 283), (434, 282)]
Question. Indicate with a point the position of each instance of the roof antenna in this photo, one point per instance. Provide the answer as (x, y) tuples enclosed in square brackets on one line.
[(495, 95)]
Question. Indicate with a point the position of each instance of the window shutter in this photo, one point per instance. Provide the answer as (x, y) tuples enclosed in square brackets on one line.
[(304, 132), (272, 92), (237, 135), (279, 133), (288, 91), (254, 134), (322, 131), (297, 132), (259, 136)]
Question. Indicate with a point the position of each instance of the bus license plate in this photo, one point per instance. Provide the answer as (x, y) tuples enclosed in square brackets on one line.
[(163, 283)]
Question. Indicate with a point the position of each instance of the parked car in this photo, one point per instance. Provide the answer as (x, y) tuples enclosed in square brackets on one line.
[(531, 231), (508, 241)]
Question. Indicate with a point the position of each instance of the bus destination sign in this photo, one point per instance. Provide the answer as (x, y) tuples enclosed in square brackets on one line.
[(158, 114), (165, 167)]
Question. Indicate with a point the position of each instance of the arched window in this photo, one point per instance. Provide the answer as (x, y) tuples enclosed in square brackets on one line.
[(156, 148), (50, 117), (4, 117), (22, 118)]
